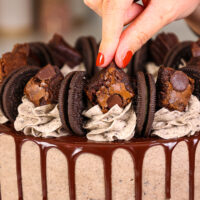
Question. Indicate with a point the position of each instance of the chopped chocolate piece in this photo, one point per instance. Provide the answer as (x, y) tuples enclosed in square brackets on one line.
[(63, 53), (179, 81), (44, 87), (109, 87), (161, 46), (174, 89), (196, 49)]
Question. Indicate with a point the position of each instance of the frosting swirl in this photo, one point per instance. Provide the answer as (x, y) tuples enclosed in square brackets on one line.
[(174, 124), (41, 121), (116, 124)]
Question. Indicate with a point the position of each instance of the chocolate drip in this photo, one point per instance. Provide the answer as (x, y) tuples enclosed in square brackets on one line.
[(192, 146), (43, 157), (18, 147), (138, 156), (168, 147), (72, 147)]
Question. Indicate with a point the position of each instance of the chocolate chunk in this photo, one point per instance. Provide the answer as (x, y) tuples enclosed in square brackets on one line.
[(44, 87), (170, 97), (113, 100), (109, 81), (179, 81)]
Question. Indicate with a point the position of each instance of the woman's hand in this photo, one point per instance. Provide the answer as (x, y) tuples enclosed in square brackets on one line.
[(143, 22)]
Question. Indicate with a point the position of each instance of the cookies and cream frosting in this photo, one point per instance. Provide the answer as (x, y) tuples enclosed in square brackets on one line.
[(116, 124), (41, 121), (175, 124), (66, 69)]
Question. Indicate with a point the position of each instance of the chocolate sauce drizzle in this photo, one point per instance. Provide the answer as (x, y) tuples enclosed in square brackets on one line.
[(72, 147)]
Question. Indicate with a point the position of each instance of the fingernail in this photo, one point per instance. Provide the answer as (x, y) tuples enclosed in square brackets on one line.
[(100, 59), (127, 58)]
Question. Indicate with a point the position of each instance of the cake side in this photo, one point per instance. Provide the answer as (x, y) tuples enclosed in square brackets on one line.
[(104, 172)]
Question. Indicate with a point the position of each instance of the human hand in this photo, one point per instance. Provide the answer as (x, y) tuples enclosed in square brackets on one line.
[(143, 22)]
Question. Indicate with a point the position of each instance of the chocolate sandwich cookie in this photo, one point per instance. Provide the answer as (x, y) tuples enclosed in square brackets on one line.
[(63, 53), (72, 102), (3, 84), (139, 60), (88, 48), (195, 48), (141, 103), (162, 45), (180, 51), (151, 88), (14, 90)]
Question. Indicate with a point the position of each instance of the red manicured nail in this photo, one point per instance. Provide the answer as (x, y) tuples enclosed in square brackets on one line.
[(127, 58), (100, 59)]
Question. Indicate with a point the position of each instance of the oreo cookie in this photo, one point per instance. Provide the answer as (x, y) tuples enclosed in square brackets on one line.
[(162, 45), (180, 51), (139, 60), (151, 105), (14, 90), (63, 101), (145, 104), (142, 103), (88, 48), (72, 102)]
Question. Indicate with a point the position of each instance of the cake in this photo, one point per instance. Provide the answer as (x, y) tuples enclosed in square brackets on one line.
[(55, 153)]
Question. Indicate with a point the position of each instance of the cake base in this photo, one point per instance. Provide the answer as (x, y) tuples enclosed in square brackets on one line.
[(75, 168)]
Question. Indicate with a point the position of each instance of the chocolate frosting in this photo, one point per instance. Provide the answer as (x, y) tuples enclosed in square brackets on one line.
[(73, 146)]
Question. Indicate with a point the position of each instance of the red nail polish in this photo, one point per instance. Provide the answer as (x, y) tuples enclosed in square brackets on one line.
[(127, 58), (100, 59)]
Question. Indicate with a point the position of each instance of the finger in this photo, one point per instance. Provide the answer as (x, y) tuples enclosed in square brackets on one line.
[(95, 5), (112, 26), (140, 31), (132, 12)]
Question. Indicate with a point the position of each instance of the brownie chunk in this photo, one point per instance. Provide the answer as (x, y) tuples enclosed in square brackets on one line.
[(174, 89), (109, 87), (21, 55), (44, 87), (63, 53)]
